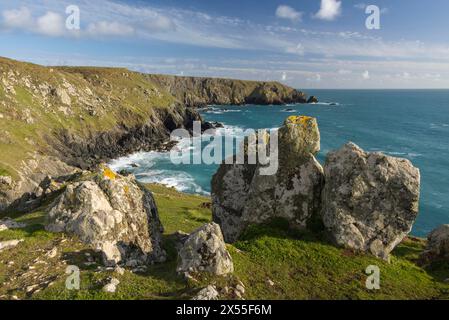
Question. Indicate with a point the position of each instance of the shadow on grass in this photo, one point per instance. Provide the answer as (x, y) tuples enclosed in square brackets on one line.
[(280, 228)]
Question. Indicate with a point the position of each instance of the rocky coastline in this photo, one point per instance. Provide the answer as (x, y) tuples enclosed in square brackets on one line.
[(59, 120)]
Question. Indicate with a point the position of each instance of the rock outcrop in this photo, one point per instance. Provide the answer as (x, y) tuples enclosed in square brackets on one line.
[(312, 99), (205, 251), (370, 200), (200, 92), (113, 214), (241, 195), (437, 245)]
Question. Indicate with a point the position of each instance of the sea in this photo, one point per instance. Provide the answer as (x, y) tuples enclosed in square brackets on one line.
[(412, 124)]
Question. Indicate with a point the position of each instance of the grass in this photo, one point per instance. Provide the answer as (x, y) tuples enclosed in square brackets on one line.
[(299, 265), (117, 97)]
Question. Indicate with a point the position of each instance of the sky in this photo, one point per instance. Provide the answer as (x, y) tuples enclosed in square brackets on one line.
[(303, 43)]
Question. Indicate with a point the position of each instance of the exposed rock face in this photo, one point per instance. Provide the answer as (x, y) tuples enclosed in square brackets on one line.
[(241, 195), (112, 213), (312, 99), (437, 245), (370, 200), (205, 251), (200, 92)]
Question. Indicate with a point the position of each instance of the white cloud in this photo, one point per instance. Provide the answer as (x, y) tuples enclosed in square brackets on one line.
[(51, 24), (286, 12), (105, 28), (17, 18), (365, 75), (159, 23), (329, 10)]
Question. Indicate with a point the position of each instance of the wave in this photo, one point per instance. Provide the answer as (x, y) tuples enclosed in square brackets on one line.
[(333, 104), (180, 180)]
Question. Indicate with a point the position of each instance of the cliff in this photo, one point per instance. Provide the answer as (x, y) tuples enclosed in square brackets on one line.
[(55, 120), (199, 92)]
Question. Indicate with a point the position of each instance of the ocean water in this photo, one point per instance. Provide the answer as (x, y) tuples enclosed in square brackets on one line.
[(413, 124)]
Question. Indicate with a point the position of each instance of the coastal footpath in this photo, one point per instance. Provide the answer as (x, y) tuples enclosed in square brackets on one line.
[(55, 121)]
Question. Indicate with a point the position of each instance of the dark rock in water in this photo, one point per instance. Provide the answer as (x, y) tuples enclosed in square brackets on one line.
[(113, 214), (288, 109), (135, 165), (211, 125), (312, 99), (437, 245), (370, 200), (332, 104), (242, 196)]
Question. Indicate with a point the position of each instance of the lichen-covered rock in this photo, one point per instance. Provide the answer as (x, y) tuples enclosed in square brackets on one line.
[(205, 251), (241, 195), (437, 245), (112, 213), (208, 293), (370, 200), (230, 188)]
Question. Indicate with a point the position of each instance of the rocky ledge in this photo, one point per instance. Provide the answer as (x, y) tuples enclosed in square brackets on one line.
[(365, 201)]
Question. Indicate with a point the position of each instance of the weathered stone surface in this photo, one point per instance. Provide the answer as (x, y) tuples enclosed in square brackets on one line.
[(208, 293), (437, 245), (230, 188), (9, 223), (111, 287), (205, 251), (241, 195), (370, 200), (9, 244), (112, 213)]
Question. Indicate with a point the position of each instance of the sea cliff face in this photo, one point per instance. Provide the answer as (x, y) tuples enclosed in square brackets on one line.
[(57, 120), (199, 92)]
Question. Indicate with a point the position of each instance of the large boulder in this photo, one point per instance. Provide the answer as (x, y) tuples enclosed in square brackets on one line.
[(437, 245), (241, 195), (370, 200), (113, 214), (205, 251)]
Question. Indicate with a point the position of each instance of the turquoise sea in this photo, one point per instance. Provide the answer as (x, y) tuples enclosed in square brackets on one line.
[(413, 124)]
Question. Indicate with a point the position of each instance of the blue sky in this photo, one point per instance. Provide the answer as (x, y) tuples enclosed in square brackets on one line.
[(303, 43)]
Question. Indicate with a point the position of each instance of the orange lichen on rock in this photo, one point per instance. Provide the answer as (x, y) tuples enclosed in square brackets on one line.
[(299, 119), (108, 173)]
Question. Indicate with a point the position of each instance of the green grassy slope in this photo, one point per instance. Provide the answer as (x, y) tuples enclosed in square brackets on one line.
[(38, 102), (273, 263)]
